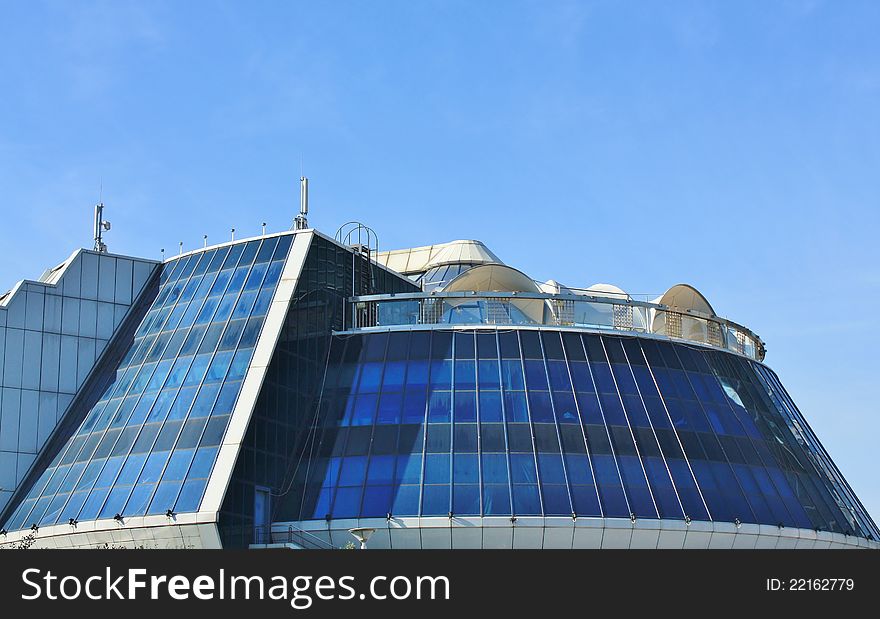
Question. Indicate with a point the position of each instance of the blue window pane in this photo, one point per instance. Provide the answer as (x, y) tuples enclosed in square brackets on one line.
[(550, 468), (437, 469), (489, 374), (496, 500), (466, 499), (153, 467), (435, 501), (131, 470), (406, 501), (218, 367), (526, 500), (586, 501), (409, 469), (440, 406), (515, 409), (381, 471), (202, 463), (239, 365), (182, 403), (364, 410), (371, 377), (541, 409), (417, 373), (466, 469), (178, 465), (465, 406), (197, 370), (511, 375), (414, 406), (465, 375), (377, 501), (389, 408), (494, 468), (108, 474), (138, 501), (441, 374), (93, 504), (566, 410), (204, 401), (556, 500), (522, 468), (347, 503), (115, 502), (490, 406), (190, 496), (165, 497), (352, 471), (226, 399)]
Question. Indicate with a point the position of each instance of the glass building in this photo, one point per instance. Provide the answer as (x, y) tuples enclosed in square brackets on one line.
[(285, 389)]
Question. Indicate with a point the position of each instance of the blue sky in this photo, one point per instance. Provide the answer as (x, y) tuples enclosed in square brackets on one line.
[(733, 146)]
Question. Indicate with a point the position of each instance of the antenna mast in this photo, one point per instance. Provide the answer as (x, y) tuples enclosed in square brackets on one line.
[(100, 227), (301, 221)]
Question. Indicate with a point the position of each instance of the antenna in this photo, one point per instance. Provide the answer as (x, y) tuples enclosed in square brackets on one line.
[(100, 225), (264, 228), (233, 234), (205, 238), (301, 221)]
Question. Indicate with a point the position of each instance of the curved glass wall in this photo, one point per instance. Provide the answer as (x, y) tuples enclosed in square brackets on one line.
[(437, 277), (150, 442), (543, 422)]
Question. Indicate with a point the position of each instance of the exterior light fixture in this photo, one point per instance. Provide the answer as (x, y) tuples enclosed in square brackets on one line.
[(34, 527), (328, 517), (737, 522), (3, 532), (450, 515), (574, 517), (513, 519), (687, 520), (632, 517), (388, 516), (72, 522), (118, 518), (170, 514), (362, 535)]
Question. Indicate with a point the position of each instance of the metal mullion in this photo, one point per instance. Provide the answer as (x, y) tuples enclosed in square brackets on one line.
[(555, 424), (715, 436), (861, 512), (654, 433), (374, 424), (607, 430), (577, 407), (200, 385), (814, 453), (124, 425), (763, 460), (522, 361), (675, 433), (629, 426)]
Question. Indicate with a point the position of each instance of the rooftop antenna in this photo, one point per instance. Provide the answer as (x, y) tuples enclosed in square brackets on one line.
[(180, 249), (264, 228), (301, 221), (205, 238), (100, 224), (233, 234)]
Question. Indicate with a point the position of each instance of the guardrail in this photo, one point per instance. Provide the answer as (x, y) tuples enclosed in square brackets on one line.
[(559, 310)]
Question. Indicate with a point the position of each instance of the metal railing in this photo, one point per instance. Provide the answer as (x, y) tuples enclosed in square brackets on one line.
[(289, 534), (558, 310)]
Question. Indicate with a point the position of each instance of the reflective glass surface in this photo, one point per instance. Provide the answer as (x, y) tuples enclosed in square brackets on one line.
[(529, 422), (150, 442)]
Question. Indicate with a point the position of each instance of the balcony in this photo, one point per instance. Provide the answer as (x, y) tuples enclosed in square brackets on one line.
[(593, 313)]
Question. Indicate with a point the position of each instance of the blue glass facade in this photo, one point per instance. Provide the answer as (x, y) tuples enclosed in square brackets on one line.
[(541, 422), (149, 443)]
